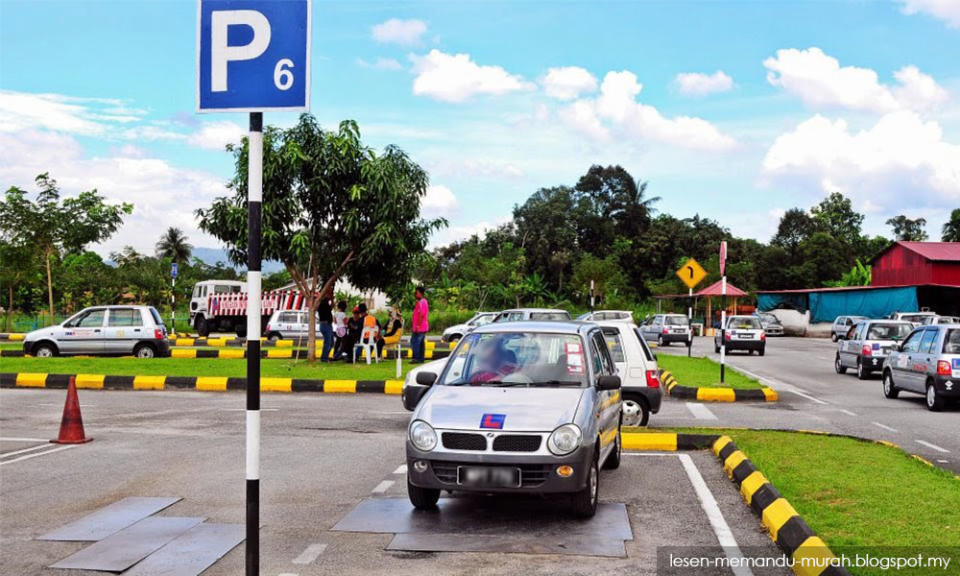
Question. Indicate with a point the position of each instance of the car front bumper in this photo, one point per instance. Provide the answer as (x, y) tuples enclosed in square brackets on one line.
[(538, 473)]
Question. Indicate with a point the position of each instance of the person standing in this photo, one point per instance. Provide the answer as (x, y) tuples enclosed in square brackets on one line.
[(419, 326), (340, 327), (325, 316)]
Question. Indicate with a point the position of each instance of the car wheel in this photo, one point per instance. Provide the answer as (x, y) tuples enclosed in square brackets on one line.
[(613, 459), (273, 337), (660, 341), (934, 401), (762, 351), (144, 351), (750, 352), (585, 501), (889, 388), (862, 372), (635, 411), (45, 350), (422, 498), (833, 337), (838, 365), (716, 348)]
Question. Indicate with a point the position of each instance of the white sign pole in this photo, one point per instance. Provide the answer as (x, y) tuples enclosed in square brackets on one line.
[(254, 200)]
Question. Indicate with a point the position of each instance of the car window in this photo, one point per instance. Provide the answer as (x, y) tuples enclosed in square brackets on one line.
[(928, 340), (220, 289), (643, 344), (124, 317), (951, 343), (288, 317), (913, 342), (888, 331), (614, 344), (94, 319), (156, 316), (677, 320), (602, 362), (552, 316), (854, 332), (743, 323), (518, 359)]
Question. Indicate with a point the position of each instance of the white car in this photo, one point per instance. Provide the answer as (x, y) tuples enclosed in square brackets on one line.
[(289, 324), (915, 318), (596, 315), (742, 333), (637, 368), (458, 331)]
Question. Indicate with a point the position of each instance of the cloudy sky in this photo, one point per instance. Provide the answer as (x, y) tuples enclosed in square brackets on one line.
[(736, 111)]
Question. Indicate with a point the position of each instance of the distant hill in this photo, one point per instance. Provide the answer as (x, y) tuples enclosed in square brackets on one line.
[(213, 255)]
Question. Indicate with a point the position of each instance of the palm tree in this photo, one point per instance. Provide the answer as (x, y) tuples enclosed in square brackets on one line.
[(173, 245), (951, 230)]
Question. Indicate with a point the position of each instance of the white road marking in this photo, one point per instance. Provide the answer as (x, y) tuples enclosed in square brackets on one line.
[(28, 456), (30, 449), (942, 461), (720, 528), (401, 469), (700, 411), (779, 385), (933, 446), (847, 412), (885, 427), (24, 439), (312, 552), (383, 487), (807, 396)]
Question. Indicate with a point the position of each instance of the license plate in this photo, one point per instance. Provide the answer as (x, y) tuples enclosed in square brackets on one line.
[(745, 336), (499, 477), (678, 331)]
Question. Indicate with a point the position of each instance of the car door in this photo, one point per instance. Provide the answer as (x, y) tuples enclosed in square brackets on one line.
[(903, 370), (608, 400), (84, 335), (850, 344), (925, 360), (124, 328)]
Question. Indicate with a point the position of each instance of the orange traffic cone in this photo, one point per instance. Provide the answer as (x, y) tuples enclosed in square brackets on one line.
[(71, 426)]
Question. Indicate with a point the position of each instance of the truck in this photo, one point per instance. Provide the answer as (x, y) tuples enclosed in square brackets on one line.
[(221, 306)]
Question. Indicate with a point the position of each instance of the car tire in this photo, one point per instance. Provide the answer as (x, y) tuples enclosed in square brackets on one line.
[(422, 498), (615, 456), (145, 351), (202, 326), (838, 365), (935, 401), (862, 373), (635, 410), (890, 389), (660, 342), (584, 502), (833, 337), (274, 336), (762, 351), (716, 348), (45, 350)]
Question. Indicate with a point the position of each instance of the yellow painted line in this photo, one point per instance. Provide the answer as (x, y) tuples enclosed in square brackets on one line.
[(230, 353), (886, 443), (283, 344), (184, 342), (812, 557), (276, 384), (719, 444), (770, 395), (776, 515), (340, 386), (924, 460), (732, 461), (751, 484), (148, 382), (392, 387), (655, 441), (16, 337), (716, 395), (279, 353), (182, 353), (31, 380), (212, 383), (91, 381)]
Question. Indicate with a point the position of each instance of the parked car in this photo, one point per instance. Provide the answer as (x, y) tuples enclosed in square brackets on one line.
[(842, 325), (103, 331), (290, 324), (928, 363), (867, 344), (666, 328), (637, 368), (771, 325), (458, 331), (915, 318), (932, 320), (606, 315), (537, 314), (531, 407), (742, 333)]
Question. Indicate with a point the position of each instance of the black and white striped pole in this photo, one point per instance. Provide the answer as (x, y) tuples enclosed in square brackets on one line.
[(254, 200)]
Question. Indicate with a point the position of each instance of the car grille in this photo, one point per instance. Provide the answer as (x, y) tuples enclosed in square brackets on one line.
[(531, 475), (516, 443), (461, 441)]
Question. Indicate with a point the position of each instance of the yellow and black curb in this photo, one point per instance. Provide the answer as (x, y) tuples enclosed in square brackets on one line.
[(12, 336), (666, 441), (188, 340), (200, 383), (710, 394), (277, 353), (787, 529)]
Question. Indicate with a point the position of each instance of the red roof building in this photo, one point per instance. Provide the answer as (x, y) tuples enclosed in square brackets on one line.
[(917, 263)]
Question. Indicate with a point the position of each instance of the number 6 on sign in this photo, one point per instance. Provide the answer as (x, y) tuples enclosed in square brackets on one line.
[(253, 55)]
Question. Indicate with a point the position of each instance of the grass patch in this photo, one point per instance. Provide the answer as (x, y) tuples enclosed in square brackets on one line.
[(385, 370), (703, 373), (858, 496)]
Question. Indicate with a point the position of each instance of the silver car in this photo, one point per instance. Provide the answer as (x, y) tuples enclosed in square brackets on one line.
[(842, 325), (867, 344), (742, 333), (666, 328), (521, 407), (536, 314), (458, 331), (928, 363), (289, 324), (103, 331), (637, 368)]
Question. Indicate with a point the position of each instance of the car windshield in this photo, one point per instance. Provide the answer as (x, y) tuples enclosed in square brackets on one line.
[(918, 318), (676, 321), (888, 331), (768, 318), (517, 359), (744, 323), (951, 344)]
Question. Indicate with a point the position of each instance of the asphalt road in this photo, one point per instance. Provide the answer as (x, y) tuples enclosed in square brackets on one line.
[(814, 397), (322, 456)]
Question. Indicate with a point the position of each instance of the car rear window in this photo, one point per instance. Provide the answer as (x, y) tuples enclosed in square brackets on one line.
[(156, 316), (643, 344), (951, 344), (676, 320), (888, 331), (744, 323), (557, 316), (124, 317)]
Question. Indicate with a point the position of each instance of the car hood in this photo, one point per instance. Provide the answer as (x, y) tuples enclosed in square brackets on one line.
[(456, 328), (524, 409), (48, 332)]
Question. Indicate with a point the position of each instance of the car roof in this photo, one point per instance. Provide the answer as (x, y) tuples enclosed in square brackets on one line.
[(534, 310), (112, 306), (615, 323), (556, 327)]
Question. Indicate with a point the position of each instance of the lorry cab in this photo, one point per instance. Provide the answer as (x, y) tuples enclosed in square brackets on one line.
[(200, 316)]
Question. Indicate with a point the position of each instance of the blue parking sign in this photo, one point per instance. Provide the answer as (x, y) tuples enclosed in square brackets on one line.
[(253, 55)]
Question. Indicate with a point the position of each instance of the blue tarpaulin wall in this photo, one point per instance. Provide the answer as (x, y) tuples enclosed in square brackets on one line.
[(826, 306)]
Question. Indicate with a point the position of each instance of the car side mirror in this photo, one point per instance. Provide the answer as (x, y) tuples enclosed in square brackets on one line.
[(608, 382), (426, 378)]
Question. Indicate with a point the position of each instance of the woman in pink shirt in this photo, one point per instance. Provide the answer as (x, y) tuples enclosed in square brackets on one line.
[(419, 326)]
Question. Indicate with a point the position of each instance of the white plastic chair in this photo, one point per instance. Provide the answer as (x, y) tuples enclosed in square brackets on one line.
[(368, 344)]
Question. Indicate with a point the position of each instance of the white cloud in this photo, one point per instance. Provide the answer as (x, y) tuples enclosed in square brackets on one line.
[(381, 64), (439, 202), (900, 157), (216, 135), (582, 117), (946, 10), (568, 82), (819, 81), (397, 31), (697, 84), (456, 78), (20, 110)]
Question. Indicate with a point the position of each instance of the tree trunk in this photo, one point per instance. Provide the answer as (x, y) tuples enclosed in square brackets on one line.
[(9, 307), (48, 253), (312, 331)]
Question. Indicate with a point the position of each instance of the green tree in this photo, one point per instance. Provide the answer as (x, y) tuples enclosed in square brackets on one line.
[(332, 207), (835, 216), (907, 229), (951, 230), (795, 227), (17, 263), (85, 279), (173, 246), (608, 278), (51, 226)]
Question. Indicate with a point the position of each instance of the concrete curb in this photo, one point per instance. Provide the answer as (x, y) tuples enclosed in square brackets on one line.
[(666, 441), (12, 336), (710, 394), (200, 383), (279, 353), (187, 342)]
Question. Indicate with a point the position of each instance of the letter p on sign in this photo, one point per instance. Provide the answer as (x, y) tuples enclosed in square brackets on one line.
[(253, 55)]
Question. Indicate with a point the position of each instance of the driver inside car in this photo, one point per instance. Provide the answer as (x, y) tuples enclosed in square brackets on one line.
[(494, 362)]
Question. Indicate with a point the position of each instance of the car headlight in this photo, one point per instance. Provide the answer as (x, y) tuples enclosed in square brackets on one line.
[(564, 439), (423, 436)]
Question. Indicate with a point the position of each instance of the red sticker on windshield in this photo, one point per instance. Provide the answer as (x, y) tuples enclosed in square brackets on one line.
[(574, 358)]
